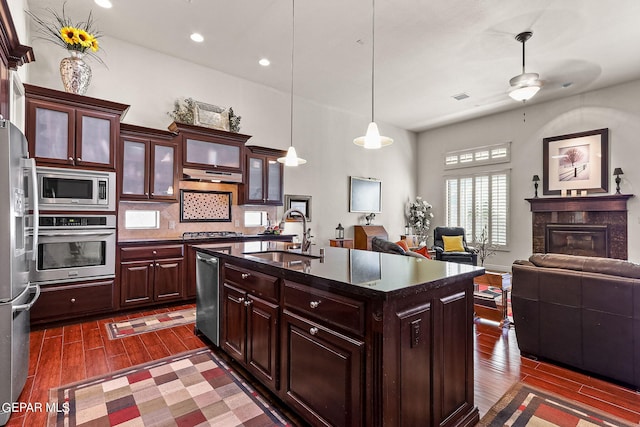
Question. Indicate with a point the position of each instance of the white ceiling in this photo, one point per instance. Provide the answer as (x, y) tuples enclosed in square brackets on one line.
[(426, 50)]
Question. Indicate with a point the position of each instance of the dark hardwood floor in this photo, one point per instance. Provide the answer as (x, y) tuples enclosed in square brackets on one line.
[(62, 355)]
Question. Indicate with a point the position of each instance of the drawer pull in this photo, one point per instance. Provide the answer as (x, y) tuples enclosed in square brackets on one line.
[(73, 300), (314, 304), (245, 275), (313, 330)]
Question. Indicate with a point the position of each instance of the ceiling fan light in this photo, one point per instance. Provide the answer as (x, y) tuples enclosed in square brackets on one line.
[(524, 79), (292, 159), (373, 140), (525, 92)]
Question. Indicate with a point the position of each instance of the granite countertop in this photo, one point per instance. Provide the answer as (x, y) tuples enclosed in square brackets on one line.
[(362, 272)]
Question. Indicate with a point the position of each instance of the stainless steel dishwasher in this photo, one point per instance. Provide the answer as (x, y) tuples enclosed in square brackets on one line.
[(207, 297)]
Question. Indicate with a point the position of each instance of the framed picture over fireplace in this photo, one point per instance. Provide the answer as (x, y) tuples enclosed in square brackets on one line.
[(577, 161)]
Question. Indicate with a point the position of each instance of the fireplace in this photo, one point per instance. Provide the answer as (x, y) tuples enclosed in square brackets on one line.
[(570, 239), (588, 226)]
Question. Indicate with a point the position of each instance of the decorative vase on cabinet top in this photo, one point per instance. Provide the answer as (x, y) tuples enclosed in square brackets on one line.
[(75, 73)]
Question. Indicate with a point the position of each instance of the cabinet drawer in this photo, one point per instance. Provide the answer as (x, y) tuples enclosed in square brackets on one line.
[(261, 285), (328, 307), (151, 252), (67, 301)]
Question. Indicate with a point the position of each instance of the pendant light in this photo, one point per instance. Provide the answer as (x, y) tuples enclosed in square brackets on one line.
[(372, 138), (292, 159), (524, 86)]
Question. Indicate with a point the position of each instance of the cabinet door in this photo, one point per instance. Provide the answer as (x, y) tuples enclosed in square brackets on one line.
[(168, 280), (255, 179), (310, 351), (274, 182), (164, 170), (234, 323), (262, 340), (96, 133), (136, 282), (135, 169), (212, 154), (50, 132)]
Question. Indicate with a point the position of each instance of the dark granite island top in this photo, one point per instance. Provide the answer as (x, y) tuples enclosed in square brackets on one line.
[(352, 338)]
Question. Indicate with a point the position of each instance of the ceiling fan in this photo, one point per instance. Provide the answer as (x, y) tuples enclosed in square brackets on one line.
[(524, 86)]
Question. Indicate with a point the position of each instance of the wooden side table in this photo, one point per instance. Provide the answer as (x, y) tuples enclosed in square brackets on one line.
[(341, 243), (499, 314)]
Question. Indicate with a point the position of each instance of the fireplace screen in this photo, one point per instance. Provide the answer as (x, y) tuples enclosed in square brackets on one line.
[(585, 240)]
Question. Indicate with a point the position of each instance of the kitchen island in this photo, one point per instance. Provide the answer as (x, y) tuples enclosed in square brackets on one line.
[(352, 338)]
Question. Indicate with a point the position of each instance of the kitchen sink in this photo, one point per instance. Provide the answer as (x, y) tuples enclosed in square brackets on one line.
[(282, 256)]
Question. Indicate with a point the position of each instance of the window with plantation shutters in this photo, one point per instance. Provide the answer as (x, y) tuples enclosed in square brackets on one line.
[(477, 201)]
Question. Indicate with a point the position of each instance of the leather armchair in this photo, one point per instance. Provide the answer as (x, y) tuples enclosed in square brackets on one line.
[(469, 256)]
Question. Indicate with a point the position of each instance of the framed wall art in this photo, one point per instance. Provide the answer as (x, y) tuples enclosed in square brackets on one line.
[(205, 206), (578, 161), (302, 203)]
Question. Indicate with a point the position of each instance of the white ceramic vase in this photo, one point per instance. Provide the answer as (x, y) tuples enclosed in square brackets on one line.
[(75, 73)]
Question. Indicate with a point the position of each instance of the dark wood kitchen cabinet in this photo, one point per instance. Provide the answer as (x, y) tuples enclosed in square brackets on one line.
[(250, 330), (211, 149), (69, 130), (66, 301), (263, 182), (323, 333), (151, 274), (149, 164)]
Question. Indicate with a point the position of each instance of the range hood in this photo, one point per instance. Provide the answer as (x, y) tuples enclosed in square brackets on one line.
[(212, 175)]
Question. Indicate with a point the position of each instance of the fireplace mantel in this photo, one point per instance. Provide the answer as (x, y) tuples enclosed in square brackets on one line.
[(582, 214), (610, 203)]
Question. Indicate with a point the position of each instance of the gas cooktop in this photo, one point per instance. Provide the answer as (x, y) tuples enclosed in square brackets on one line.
[(209, 234)]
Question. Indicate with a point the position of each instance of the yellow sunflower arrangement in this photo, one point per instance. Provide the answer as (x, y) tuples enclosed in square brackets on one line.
[(80, 37)]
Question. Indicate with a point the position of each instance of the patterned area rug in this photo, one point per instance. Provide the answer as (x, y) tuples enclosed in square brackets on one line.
[(150, 323), (192, 389), (524, 405)]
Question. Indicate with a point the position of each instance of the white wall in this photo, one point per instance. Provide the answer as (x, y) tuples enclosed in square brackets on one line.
[(150, 82), (616, 108)]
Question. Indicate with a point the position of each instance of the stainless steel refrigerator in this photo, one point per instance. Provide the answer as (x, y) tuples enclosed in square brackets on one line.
[(17, 295)]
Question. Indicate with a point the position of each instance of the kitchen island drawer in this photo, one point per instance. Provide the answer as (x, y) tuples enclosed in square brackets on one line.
[(151, 252), (258, 284), (62, 302), (328, 307)]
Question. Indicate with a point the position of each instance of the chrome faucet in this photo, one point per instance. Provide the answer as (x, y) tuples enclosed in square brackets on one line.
[(306, 243)]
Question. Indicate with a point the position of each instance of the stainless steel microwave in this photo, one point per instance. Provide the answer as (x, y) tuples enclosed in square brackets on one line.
[(76, 189)]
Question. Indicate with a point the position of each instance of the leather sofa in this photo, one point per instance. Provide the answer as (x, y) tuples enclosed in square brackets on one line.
[(583, 312)]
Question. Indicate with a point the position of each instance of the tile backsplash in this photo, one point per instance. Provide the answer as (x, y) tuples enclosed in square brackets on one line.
[(170, 215)]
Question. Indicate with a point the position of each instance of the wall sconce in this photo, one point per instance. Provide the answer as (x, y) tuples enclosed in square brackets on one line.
[(339, 231), (617, 172), (535, 180)]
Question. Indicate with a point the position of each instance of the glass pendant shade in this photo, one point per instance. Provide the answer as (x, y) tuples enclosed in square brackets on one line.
[(292, 159), (524, 86), (373, 139)]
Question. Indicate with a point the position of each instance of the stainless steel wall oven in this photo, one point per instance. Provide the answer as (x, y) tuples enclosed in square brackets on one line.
[(73, 247)]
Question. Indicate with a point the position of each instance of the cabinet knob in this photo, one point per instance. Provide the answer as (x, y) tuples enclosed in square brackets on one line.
[(313, 330), (151, 265), (245, 275), (155, 252), (314, 304), (247, 303), (79, 159), (240, 300), (71, 159), (73, 300)]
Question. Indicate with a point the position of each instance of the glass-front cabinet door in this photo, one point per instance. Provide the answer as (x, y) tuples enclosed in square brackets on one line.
[(51, 132), (163, 182), (211, 154), (95, 139), (135, 182), (274, 181), (255, 179)]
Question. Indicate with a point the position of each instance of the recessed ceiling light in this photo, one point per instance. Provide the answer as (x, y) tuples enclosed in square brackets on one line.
[(264, 62), (197, 37), (104, 3)]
